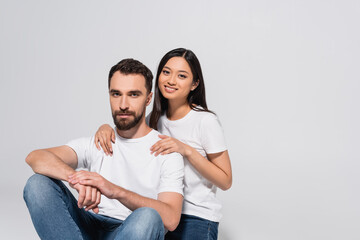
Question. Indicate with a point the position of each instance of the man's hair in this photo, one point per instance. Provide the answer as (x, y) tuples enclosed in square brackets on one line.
[(132, 66)]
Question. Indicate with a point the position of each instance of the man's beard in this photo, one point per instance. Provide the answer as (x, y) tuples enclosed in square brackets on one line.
[(125, 124)]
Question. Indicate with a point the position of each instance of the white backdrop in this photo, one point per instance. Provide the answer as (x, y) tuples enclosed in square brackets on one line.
[(282, 75)]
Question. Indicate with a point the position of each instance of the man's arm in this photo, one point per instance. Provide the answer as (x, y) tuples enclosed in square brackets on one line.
[(168, 204), (59, 163), (56, 162)]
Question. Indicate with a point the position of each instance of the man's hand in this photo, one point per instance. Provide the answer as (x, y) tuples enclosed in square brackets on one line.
[(168, 204), (94, 180), (89, 197)]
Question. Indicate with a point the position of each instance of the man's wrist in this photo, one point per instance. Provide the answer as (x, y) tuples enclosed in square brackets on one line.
[(68, 173), (188, 151), (119, 193)]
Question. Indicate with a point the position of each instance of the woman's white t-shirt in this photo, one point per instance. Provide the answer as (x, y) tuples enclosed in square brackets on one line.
[(202, 131)]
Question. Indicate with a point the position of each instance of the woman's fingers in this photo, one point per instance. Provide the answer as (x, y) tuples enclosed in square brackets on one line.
[(163, 136), (113, 136), (161, 148), (109, 145), (167, 143), (104, 145), (97, 143), (160, 143), (167, 151)]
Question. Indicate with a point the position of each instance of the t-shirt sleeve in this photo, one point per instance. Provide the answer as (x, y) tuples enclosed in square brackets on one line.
[(212, 135), (81, 147), (172, 174)]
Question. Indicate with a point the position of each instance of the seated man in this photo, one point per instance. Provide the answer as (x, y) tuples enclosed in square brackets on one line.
[(132, 194)]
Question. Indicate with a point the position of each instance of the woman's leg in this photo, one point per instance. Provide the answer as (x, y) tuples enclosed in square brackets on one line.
[(192, 227)]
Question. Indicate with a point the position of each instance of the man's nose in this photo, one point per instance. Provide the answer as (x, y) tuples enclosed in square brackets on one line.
[(124, 103)]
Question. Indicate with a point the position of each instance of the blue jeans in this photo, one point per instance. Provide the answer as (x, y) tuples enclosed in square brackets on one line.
[(192, 227), (55, 215)]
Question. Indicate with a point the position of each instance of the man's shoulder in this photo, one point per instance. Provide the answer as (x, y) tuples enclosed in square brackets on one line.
[(155, 133), (174, 158), (85, 143), (153, 136)]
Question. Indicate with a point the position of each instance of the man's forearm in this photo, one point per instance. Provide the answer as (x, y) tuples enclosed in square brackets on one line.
[(59, 163), (169, 214), (168, 204), (47, 163)]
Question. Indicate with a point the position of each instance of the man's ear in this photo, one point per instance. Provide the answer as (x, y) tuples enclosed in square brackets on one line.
[(148, 98), (194, 85)]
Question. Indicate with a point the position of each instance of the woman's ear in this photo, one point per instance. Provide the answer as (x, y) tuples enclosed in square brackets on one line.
[(194, 85)]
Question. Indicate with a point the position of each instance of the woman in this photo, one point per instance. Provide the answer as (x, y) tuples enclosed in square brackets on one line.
[(180, 113)]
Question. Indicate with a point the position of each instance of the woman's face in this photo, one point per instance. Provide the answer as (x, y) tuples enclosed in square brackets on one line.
[(176, 79)]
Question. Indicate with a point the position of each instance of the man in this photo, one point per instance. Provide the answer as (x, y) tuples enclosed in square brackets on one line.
[(132, 194)]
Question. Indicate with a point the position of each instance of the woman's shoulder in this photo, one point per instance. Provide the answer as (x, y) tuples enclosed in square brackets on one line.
[(202, 114), (206, 120)]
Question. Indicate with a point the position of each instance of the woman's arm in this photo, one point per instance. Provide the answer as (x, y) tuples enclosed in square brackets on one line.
[(216, 169)]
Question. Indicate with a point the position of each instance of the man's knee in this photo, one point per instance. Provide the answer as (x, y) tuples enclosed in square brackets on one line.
[(37, 188), (145, 223), (148, 215)]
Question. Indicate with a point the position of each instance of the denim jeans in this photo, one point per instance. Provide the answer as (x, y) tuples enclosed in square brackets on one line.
[(192, 227), (55, 215)]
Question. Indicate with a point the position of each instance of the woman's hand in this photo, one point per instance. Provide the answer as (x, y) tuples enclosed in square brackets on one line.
[(105, 135), (169, 145)]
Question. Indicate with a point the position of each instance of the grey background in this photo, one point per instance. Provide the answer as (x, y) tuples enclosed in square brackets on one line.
[(283, 76)]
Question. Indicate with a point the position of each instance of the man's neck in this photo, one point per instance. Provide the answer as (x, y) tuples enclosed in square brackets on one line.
[(140, 130)]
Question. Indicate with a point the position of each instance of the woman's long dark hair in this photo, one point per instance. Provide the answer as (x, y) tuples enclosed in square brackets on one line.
[(196, 98)]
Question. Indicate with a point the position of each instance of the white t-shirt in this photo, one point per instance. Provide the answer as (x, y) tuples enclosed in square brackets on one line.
[(132, 167), (202, 131)]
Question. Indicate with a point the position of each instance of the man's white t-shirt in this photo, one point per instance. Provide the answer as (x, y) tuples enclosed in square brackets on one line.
[(132, 167), (202, 131)]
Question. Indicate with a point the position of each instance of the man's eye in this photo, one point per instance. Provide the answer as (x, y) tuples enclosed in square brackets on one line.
[(115, 94), (134, 95)]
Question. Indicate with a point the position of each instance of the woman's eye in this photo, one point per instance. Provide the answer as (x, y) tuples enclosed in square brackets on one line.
[(182, 76), (165, 72)]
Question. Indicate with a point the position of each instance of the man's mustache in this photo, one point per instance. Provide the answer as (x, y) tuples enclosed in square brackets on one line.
[(120, 112)]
